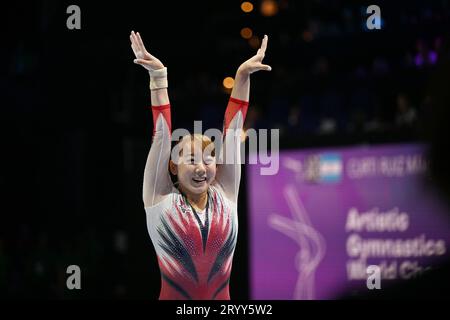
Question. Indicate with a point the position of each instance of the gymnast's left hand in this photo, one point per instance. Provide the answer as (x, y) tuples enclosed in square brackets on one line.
[(255, 63)]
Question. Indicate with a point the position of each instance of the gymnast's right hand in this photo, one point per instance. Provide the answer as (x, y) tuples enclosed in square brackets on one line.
[(143, 57)]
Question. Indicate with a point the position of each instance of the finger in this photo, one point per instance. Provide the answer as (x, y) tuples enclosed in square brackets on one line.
[(133, 36), (134, 41), (133, 46), (140, 42), (265, 67), (257, 58), (142, 62), (263, 48), (141, 45), (134, 51)]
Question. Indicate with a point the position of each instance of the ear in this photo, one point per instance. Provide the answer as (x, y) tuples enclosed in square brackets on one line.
[(173, 168)]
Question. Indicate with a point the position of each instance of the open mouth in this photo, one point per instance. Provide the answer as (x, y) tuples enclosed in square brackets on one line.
[(199, 180)]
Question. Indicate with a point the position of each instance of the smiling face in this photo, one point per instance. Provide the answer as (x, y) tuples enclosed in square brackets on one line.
[(196, 166)]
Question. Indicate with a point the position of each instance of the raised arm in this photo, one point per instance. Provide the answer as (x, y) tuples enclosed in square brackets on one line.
[(229, 173), (157, 181)]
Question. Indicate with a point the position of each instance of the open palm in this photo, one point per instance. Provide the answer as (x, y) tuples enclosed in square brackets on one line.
[(255, 63), (143, 57)]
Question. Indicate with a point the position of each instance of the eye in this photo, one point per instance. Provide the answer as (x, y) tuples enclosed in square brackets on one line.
[(209, 160)]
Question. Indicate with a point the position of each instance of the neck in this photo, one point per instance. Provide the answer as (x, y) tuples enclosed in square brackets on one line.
[(197, 200)]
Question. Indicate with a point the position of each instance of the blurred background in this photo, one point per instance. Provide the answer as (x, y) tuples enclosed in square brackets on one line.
[(76, 128)]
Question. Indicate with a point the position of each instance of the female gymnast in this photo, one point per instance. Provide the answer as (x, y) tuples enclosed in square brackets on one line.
[(193, 222)]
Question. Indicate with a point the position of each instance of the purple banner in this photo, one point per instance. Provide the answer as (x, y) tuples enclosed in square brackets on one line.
[(328, 214)]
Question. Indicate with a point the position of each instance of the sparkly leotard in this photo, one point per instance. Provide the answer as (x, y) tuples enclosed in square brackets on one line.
[(195, 250)]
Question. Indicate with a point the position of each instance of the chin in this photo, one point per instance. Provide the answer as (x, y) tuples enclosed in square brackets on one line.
[(199, 189)]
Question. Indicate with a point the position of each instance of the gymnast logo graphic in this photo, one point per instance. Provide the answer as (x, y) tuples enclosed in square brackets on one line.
[(312, 246)]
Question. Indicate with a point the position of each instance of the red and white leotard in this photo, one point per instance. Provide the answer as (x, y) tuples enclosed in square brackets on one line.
[(194, 250)]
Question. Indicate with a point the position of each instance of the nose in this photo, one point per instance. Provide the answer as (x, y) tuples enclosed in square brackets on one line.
[(200, 169)]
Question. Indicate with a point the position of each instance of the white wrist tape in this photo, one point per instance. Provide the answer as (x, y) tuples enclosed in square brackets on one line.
[(158, 79)]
